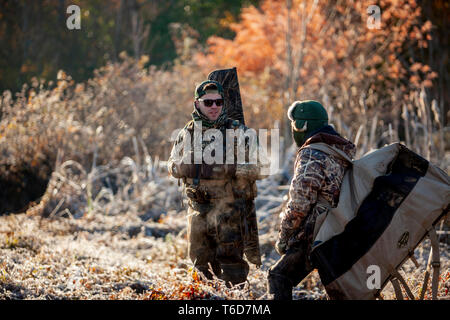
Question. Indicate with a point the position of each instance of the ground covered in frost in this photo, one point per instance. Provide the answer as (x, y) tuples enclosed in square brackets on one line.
[(120, 233)]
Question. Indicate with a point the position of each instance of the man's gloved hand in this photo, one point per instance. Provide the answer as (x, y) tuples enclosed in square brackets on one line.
[(281, 247)]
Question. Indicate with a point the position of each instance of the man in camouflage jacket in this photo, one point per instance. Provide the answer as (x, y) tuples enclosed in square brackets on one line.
[(222, 224), (315, 188)]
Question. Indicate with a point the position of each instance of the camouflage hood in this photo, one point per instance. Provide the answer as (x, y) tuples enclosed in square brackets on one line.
[(329, 136)]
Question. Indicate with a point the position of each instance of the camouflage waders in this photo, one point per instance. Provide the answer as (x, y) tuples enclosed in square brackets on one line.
[(219, 231), (295, 264)]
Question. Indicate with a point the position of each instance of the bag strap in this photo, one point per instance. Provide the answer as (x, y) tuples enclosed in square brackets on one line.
[(197, 174), (329, 150), (426, 278), (433, 261), (397, 289), (398, 277)]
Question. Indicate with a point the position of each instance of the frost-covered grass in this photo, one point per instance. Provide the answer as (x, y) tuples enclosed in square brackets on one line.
[(120, 233)]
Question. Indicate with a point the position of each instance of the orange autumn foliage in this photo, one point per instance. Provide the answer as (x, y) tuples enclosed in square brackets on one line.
[(323, 51)]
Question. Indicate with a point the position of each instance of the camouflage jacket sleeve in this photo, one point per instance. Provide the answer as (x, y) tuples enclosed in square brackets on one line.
[(309, 176), (175, 164)]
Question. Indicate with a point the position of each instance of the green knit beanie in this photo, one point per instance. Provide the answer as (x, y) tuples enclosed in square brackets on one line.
[(306, 117)]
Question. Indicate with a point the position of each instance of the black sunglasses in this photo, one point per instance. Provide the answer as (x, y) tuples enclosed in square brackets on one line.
[(210, 102)]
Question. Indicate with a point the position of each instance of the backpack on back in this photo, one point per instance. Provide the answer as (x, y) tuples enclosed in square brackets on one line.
[(390, 200)]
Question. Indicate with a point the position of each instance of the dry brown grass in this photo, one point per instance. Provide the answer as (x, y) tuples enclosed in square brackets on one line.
[(113, 247), (111, 223)]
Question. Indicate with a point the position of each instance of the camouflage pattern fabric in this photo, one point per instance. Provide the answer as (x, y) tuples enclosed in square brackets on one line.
[(228, 78), (216, 237), (315, 174), (222, 224), (315, 188)]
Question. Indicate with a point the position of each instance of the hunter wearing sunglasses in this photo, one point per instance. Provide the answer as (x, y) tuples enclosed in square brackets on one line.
[(222, 224)]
